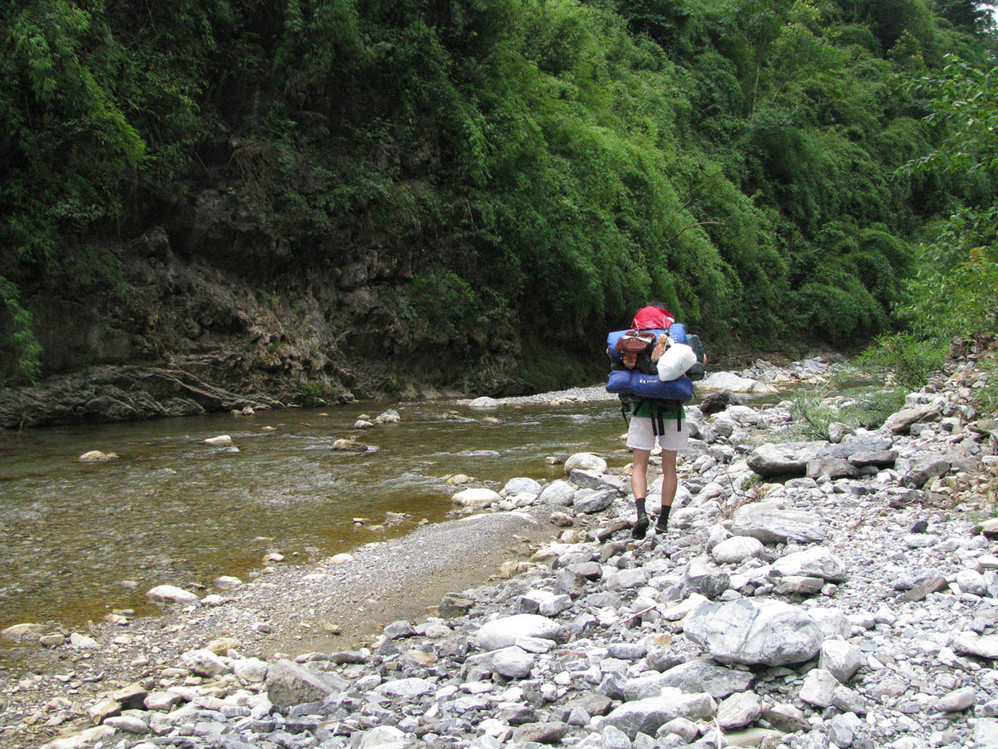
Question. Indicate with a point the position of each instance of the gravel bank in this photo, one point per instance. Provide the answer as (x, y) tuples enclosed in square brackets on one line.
[(330, 605)]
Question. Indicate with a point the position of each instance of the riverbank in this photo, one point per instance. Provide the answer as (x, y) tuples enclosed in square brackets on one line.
[(874, 550)]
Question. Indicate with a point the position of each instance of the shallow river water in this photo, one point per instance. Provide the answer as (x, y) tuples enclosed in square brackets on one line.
[(79, 540)]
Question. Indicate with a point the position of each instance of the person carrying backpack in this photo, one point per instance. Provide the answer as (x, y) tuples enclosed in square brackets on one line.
[(653, 419)]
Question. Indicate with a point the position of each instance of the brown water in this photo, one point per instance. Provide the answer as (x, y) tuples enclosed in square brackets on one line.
[(80, 540)]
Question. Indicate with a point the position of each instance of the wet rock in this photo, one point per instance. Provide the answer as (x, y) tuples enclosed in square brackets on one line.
[(96, 456), (171, 594), (476, 498)]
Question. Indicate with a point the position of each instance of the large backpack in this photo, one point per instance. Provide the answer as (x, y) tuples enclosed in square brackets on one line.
[(634, 355)]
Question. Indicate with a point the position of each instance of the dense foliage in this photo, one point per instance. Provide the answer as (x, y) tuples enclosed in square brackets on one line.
[(955, 292), (542, 166)]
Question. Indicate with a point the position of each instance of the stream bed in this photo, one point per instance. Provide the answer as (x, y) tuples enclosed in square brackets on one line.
[(80, 540)]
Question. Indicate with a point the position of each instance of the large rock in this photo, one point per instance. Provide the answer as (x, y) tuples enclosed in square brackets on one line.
[(733, 383), (171, 594), (736, 550), (289, 684), (770, 633), (698, 675), (558, 492), (114, 394), (521, 485), (784, 459), (901, 422), (647, 715), (585, 462), (773, 523), (816, 561), (476, 498), (504, 632), (928, 466)]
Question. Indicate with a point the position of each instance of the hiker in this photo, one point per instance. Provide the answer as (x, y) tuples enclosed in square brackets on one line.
[(654, 420)]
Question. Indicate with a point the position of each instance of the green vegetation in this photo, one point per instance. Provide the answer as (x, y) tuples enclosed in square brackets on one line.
[(533, 168), (955, 291), (815, 410)]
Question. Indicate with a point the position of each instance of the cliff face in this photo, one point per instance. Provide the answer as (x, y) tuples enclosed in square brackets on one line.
[(206, 313)]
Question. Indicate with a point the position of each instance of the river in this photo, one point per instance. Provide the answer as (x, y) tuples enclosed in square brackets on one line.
[(80, 540)]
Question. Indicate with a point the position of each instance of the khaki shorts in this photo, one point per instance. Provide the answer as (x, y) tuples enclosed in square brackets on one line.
[(640, 434)]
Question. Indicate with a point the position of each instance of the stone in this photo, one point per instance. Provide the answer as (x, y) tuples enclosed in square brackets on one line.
[(484, 403), (171, 594), (739, 710), (592, 503), (819, 688), (969, 643), (559, 492), (691, 677), (736, 550), (785, 717), (705, 579), (732, 383), (769, 633), (585, 462), (973, 582), (832, 622), (289, 684), (541, 733), (409, 688), (204, 662), (454, 605), (900, 422), (382, 737), (841, 659), (476, 498), (512, 662), (222, 440), (783, 459), (772, 523), (250, 670), (926, 468), (844, 729), (833, 468), (957, 701), (82, 642), (647, 715), (162, 701), (816, 561), (96, 456), (503, 632), (25, 632), (521, 485), (925, 588)]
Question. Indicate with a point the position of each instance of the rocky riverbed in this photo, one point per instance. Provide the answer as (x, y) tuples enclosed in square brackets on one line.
[(837, 592)]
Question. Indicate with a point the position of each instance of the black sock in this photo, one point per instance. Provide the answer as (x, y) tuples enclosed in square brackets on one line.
[(663, 519), (641, 524)]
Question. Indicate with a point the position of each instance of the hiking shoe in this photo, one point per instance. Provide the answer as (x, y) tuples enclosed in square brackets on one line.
[(662, 526), (640, 527)]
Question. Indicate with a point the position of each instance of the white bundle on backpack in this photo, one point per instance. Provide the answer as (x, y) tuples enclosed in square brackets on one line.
[(675, 361)]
